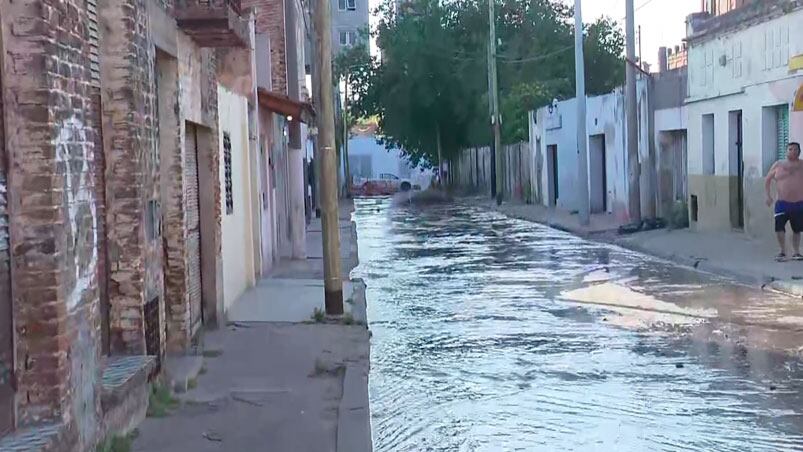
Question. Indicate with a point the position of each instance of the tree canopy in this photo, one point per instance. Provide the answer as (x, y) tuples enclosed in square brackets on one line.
[(432, 73)]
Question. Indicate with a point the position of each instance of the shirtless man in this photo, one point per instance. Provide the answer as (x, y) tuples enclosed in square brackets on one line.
[(788, 177)]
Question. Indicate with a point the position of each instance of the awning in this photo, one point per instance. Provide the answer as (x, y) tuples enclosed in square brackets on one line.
[(798, 99), (285, 106)]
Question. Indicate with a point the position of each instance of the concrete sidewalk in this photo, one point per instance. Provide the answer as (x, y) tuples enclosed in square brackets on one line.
[(275, 379), (731, 254)]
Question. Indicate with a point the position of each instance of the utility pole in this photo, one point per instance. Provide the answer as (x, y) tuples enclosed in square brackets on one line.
[(333, 286), (316, 143), (346, 166), (494, 95), (633, 166), (490, 113), (582, 136)]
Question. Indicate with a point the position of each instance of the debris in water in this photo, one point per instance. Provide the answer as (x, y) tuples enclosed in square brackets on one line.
[(213, 436), (679, 365)]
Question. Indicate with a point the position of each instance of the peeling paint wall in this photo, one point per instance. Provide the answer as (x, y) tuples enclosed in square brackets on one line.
[(744, 70)]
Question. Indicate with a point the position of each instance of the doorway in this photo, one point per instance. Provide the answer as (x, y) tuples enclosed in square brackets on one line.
[(6, 312), (552, 174), (598, 183), (736, 171), (193, 218), (266, 214)]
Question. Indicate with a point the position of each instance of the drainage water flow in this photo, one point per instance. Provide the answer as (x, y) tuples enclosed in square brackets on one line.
[(492, 334)]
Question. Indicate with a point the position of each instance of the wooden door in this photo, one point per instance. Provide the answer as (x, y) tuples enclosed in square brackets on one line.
[(193, 216)]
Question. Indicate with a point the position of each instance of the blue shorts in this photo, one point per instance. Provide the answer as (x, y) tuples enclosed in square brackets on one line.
[(789, 212)]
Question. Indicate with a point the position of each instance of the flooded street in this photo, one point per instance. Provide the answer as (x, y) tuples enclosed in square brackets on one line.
[(493, 334)]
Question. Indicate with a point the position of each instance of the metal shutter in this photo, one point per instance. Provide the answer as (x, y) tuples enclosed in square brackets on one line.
[(782, 132), (193, 212)]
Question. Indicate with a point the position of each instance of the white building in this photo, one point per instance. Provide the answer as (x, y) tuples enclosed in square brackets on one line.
[(553, 136), (744, 74)]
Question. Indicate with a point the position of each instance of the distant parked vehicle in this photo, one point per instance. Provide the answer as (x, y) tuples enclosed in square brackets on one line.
[(386, 184)]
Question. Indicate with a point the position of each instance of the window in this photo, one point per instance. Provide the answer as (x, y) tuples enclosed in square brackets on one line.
[(708, 144), (347, 5), (348, 38), (227, 173)]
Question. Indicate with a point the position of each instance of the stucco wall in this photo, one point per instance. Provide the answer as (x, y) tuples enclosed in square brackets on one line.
[(605, 116), (238, 245), (270, 252), (742, 70)]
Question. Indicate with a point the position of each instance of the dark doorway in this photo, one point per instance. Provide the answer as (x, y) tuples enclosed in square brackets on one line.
[(552, 173), (193, 212), (6, 322), (597, 170), (736, 153)]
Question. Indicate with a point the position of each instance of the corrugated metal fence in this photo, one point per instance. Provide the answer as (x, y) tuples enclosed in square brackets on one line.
[(473, 171)]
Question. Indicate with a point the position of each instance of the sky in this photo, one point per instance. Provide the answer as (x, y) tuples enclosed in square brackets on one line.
[(663, 22)]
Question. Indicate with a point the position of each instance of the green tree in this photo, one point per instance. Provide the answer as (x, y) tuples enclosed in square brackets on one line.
[(433, 71)]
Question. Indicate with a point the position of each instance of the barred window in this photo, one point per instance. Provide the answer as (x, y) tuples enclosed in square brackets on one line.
[(227, 173)]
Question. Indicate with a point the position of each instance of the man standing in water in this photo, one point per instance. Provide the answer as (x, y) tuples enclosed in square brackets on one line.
[(788, 177)]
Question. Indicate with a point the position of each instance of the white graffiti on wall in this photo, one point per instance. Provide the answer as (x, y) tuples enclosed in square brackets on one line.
[(75, 155), (3, 214)]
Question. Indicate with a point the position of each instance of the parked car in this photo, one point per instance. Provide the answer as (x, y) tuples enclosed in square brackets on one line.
[(385, 184)]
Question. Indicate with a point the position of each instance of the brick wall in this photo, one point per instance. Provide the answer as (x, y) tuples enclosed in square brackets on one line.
[(53, 215), (270, 19), (132, 162), (188, 94)]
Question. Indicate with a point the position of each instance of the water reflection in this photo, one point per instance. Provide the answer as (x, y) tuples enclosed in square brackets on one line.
[(477, 345)]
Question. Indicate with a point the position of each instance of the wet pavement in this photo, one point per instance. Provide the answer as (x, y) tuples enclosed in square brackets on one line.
[(493, 334)]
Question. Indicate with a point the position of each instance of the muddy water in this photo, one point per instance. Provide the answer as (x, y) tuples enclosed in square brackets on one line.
[(491, 334)]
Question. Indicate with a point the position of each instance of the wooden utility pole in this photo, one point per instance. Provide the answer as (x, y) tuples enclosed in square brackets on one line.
[(582, 136), (634, 168), (333, 286), (494, 95)]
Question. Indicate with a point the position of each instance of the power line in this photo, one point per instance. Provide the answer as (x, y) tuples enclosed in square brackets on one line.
[(647, 2), (537, 57)]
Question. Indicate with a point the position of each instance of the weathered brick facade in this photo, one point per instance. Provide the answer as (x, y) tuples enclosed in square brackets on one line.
[(50, 144), (97, 248), (188, 104), (270, 19), (132, 177)]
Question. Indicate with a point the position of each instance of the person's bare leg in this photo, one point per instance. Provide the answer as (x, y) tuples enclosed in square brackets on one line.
[(781, 240)]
